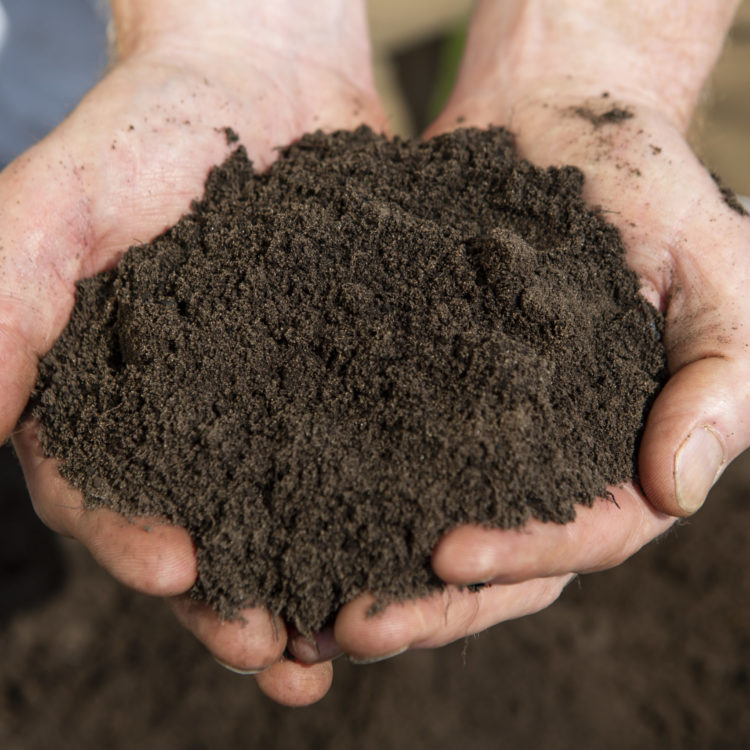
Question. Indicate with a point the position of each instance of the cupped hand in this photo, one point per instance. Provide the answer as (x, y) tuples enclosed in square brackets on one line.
[(690, 250), (122, 168)]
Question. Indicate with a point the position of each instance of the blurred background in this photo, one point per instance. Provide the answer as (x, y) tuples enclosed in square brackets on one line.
[(653, 654)]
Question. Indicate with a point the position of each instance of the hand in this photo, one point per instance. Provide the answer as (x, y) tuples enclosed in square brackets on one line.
[(122, 168), (690, 250)]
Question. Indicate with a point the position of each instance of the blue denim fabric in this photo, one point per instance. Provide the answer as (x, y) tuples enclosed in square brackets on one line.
[(53, 52)]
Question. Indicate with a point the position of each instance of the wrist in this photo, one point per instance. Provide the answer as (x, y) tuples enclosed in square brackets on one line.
[(321, 50), (652, 52), (144, 25), (232, 26)]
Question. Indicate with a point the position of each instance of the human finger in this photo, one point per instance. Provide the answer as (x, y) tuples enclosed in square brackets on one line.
[(146, 554), (249, 643), (293, 684), (433, 621), (601, 537), (698, 424)]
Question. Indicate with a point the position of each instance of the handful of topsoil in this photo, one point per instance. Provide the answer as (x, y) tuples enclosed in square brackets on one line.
[(321, 369)]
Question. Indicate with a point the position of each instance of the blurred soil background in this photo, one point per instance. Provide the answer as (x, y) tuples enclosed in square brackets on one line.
[(654, 654)]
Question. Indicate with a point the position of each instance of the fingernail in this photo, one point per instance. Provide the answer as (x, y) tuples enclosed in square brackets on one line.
[(239, 671), (305, 649), (374, 659), (697, 465)]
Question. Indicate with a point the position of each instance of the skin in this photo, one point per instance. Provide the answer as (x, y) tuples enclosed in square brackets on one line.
[(272, 71), (139, 146)]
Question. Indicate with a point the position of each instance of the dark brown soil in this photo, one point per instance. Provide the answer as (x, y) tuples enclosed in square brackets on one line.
[(652, 656), (323, 368)]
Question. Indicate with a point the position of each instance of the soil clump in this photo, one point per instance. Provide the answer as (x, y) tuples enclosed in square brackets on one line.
[(612, 116), (321, 369)]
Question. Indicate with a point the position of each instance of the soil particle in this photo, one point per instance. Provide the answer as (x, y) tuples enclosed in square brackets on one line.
[(614, 115), (321, 369), (232, 137)]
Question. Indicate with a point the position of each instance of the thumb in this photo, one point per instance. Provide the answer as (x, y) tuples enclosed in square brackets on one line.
[(697, 425)]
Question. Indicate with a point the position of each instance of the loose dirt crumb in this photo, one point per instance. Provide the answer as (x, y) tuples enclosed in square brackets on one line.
[(610, 117)]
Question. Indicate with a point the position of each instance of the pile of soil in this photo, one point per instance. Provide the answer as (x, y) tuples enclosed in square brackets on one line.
[(321, 369)]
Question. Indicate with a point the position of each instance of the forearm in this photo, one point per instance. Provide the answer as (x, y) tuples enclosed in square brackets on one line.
[(658, 51)]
